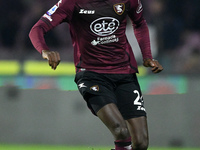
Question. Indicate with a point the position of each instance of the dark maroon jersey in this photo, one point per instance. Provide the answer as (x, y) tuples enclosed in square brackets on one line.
[(97, 30)]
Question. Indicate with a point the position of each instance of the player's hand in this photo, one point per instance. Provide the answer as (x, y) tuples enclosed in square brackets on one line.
[(53, 57), (154, 64)]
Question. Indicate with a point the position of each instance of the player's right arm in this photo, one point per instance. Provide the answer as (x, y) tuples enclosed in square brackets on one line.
[(53, 58), (37, 38), (59, 13)]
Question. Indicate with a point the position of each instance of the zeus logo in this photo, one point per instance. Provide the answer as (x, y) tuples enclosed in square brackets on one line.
[(104, 26), (83, 11)]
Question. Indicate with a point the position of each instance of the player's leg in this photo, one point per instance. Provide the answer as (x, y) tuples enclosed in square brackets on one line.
[(139, 132), (102, 102), (112, 118), (131, 105)]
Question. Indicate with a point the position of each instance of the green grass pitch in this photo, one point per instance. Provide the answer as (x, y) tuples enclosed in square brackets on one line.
[(48, 147)]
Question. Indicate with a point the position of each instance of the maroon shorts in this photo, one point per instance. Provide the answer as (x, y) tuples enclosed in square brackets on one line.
[(121, 89)]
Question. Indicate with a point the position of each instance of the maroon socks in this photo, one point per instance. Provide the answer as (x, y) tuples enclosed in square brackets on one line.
[(123, 144)]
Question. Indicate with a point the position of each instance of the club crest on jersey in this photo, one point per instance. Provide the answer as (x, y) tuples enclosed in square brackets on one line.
[(95, 88), (119, 8)]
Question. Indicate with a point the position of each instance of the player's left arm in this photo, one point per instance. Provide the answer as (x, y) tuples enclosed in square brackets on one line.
[(141, 32), (154, 64)]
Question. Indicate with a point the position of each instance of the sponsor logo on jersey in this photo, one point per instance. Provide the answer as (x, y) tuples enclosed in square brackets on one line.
[(119, 8), (139, 8), (105, 40), (104, 26), (88, 12), (95, 88)]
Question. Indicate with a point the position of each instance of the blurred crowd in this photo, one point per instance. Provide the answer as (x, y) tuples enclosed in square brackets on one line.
[(178, 33), (177, 26)]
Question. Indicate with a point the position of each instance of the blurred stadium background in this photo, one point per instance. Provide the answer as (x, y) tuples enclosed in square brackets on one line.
[(39, 106)]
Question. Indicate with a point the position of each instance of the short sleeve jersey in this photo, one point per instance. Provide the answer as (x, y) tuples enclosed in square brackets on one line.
[(97, 29)]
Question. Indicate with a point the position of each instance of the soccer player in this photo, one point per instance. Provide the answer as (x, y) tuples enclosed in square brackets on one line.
[(105, 64)]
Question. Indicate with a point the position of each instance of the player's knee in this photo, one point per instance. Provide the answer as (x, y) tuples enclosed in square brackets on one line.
[(141, 144), (120, 132)]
